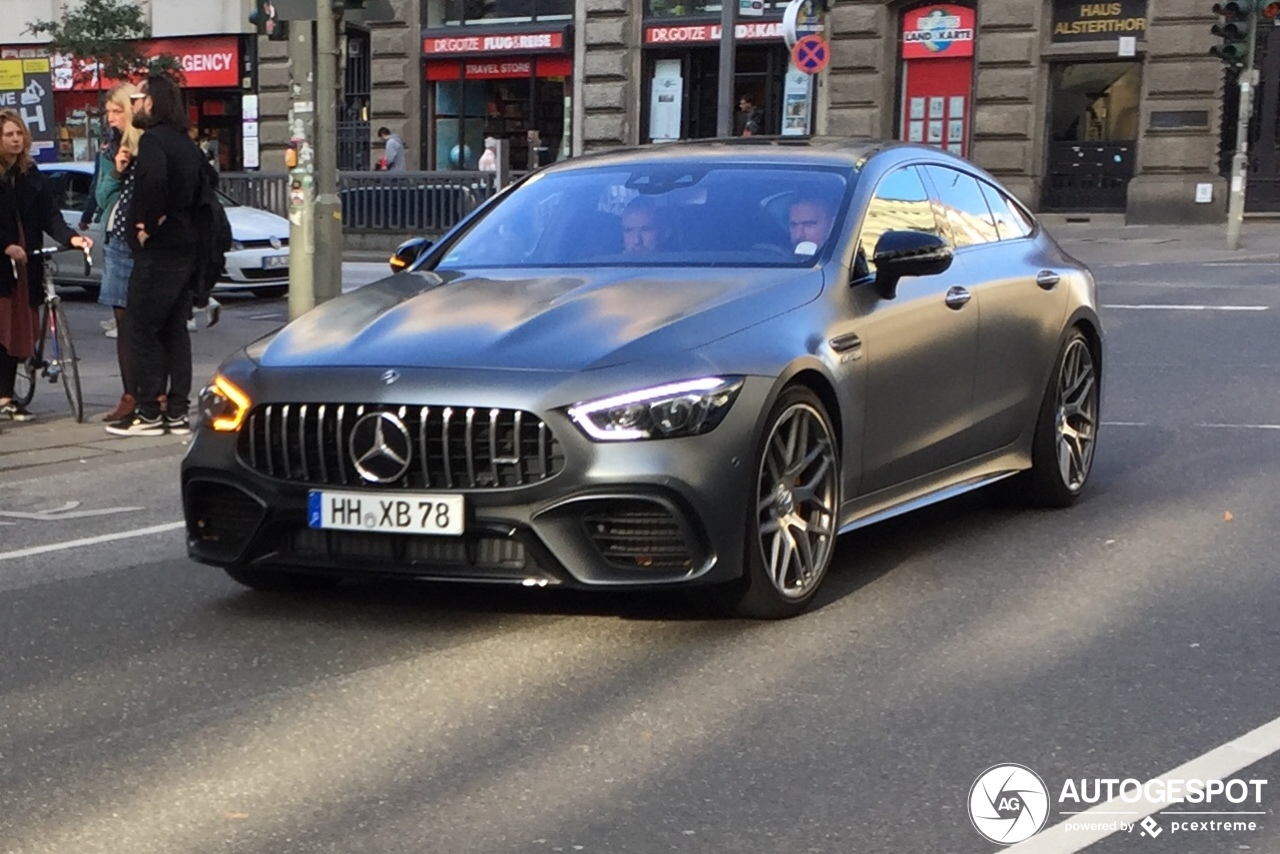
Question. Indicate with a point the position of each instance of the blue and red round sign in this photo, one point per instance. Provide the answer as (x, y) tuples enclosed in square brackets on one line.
[(811, 54)]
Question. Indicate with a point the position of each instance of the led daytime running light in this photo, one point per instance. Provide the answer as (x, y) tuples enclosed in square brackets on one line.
[(225, 388)]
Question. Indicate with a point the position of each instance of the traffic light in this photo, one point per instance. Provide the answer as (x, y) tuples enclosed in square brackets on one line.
[(264, 18), (1270, 11), (1233, 31)]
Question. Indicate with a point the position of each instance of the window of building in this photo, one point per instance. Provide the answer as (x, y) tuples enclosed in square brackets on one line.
[(505, 11), (900, 204), (966, 209)]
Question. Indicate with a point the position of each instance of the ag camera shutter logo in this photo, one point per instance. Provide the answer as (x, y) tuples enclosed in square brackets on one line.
[(1008, 803)]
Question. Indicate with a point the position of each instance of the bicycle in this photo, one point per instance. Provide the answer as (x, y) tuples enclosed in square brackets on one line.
[(54, 339)]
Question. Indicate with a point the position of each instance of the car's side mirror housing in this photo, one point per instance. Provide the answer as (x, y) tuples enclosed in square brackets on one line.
[(900, 254), (408, 253)]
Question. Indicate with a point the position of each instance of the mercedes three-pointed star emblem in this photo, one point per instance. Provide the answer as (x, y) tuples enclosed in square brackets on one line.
[(380, 447)]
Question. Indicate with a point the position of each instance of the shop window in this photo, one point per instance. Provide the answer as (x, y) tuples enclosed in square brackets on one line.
[(656, 9), (505, 11), (966, 209)]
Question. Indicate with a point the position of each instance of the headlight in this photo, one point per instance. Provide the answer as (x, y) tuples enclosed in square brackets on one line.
[(687, 408), (236, 246), (223, 406)]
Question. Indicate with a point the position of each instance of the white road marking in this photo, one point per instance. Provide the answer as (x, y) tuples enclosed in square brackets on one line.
[(1242, 426), (1218, 764), (91, 541), (1156, 306), (66, 511), (1124, 424)]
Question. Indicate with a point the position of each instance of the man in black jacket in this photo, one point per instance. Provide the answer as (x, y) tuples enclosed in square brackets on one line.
[(164, 244)]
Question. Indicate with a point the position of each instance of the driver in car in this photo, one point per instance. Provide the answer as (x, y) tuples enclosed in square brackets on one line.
[(811, 219), (642, 227)]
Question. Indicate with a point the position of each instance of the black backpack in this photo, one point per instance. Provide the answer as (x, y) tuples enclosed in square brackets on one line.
[(213, 235)]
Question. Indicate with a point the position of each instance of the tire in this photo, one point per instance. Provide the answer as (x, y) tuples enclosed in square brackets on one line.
[(277, 581), (793, 515), (68, 364), (1062, 451), (271, 293), (29, 369)]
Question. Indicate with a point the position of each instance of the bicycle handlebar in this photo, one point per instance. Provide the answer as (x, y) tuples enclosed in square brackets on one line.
[(55, 250)]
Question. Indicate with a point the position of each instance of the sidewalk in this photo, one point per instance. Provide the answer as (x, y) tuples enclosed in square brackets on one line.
[(1107, 240)]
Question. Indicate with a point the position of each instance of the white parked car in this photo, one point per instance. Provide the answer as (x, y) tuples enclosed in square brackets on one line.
[(258, 260)]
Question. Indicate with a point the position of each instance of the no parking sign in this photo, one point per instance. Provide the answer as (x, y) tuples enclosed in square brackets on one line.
[(811, 54)]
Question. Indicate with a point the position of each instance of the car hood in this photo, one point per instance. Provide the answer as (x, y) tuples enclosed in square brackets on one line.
[(566, 321), (254, 224)]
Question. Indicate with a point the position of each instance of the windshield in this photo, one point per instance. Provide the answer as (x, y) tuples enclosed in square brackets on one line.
[(660, 214)]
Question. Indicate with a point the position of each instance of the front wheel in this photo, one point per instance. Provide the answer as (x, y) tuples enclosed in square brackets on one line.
[(29, 369), (67, 364), (792, 519)]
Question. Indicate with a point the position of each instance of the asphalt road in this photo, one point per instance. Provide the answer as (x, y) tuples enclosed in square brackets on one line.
[(148, 704)]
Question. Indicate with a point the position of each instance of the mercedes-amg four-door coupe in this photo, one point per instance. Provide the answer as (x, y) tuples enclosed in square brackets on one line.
[(689, 365)]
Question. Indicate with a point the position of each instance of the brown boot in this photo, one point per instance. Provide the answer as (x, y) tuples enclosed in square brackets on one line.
[(123, 409)]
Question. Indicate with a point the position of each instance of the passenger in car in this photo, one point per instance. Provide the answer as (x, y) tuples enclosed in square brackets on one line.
[(811, 219)]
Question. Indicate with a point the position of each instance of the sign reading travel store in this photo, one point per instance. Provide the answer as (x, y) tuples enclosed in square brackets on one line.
[(1086, 22)]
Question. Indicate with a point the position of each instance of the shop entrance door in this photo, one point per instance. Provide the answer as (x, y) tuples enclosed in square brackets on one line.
[(759, 73), (1093, 145), (1262, 193)]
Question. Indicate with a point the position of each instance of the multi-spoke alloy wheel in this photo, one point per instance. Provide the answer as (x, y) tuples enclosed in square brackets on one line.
[(1076, 414), (1066, 430), (792, 527)]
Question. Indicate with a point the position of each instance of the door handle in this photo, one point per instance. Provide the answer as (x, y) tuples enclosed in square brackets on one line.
[(1047, 279), (957, 297), (846, 343)]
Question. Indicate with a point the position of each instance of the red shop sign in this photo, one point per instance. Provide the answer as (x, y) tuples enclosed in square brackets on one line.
[(479, 69), (693, 33), (493, 43), (938, 32), (208, 62)]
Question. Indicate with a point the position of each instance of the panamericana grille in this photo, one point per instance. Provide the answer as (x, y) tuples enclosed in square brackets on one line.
[(450, 447), (633, 534)]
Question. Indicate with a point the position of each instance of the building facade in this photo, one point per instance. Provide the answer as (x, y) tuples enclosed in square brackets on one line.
[(1077, 106)]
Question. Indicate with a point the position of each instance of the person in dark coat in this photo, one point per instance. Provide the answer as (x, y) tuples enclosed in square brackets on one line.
[(27, 213)]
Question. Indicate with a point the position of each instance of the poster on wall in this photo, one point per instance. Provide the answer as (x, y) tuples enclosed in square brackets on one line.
[(666, 101), (797, 102), (26, 85), (938, 32)]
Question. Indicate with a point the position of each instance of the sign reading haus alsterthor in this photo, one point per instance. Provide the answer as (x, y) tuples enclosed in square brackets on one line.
[(1081, 22)]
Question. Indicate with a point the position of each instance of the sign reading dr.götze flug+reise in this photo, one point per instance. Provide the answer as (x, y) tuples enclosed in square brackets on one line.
[(26, 85)]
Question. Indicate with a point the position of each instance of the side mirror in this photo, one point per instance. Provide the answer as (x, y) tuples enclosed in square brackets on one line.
[(900, 254), (408, 253)]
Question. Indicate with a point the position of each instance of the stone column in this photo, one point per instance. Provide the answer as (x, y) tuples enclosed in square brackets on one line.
[(856, 94), (396, 99), (1008, 123), (611, 74)]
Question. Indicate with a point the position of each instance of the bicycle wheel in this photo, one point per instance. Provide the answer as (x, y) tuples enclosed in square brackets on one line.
[(67, 363), (24, 387)]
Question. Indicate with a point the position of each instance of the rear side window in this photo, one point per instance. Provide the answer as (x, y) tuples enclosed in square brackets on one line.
[(77, 190), (1011, 222), (966, 209), (901, 203)]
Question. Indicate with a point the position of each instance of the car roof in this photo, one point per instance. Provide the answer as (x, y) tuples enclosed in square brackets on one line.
[(70, 166)]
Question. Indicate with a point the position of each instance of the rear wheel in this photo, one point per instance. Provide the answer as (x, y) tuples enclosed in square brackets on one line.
[(1066, 431), (67, 363), (795, 504), (278, 581), (29, 369)]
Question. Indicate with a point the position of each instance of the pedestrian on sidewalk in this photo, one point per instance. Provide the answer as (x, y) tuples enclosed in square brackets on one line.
[(164, 247), (27, 213), (114, 196), (393, 151)]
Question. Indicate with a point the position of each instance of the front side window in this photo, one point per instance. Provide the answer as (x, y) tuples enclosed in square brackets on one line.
[(900, 204), (661, 214), (967, 213)]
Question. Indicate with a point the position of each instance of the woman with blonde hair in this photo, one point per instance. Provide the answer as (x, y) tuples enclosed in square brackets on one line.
[(27, 213), (113, 193)]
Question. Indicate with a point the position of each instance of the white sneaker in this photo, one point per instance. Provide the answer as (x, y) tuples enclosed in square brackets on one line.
[(191, 325), (112, 332), (212, 312), (108, 324)]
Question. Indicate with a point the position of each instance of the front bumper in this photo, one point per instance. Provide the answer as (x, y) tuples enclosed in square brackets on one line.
[(628, 514)]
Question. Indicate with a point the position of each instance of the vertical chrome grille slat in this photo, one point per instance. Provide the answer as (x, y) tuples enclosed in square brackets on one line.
[(337, 439), (493, 446), (424, 461), (302, 443), (516, 437), (266, 421), (471, 453), (278, 441), (447, 415), (324, 467)]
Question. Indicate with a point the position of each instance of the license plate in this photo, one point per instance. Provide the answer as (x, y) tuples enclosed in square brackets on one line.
[(395, 514), (275, 262)]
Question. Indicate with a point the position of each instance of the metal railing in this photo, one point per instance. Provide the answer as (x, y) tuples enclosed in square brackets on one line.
[(431, 202)]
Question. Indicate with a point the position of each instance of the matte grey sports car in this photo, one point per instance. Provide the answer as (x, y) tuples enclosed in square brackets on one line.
[(679, 365)]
